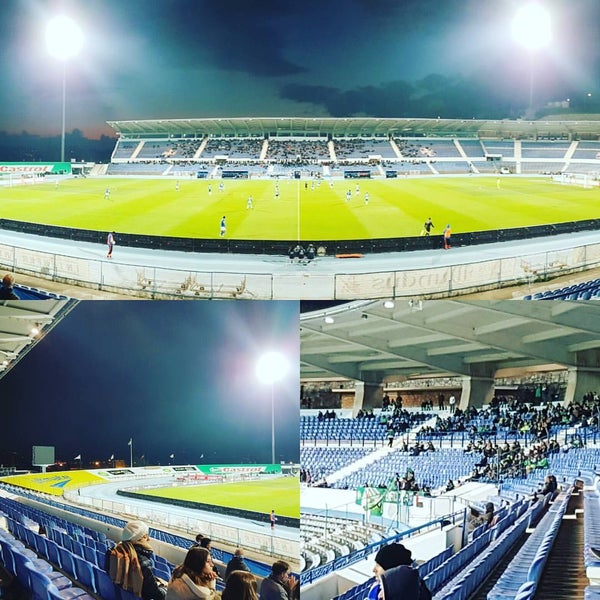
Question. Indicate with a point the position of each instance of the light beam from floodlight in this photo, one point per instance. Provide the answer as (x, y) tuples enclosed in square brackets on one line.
[(270, 368), (531, 28), (64, 40)]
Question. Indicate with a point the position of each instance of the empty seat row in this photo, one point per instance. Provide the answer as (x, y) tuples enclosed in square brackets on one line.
[(524, 571)]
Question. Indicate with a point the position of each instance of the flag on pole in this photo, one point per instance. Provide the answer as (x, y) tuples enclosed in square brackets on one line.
[(78, 457), (130, 441)]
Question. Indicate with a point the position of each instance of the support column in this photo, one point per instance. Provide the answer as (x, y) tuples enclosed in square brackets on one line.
[(367, 396), (476, 391), (478, 388), (580, 381)]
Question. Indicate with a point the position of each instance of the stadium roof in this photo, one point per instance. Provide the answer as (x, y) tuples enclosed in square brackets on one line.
[(18, 317), (355, 126), (369, 342)]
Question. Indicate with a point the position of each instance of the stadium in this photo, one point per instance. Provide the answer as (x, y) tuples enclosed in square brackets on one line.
[(188, 447), (419, 418), (300, 195)]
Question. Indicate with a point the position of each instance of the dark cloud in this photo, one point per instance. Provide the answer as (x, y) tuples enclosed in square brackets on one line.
[(430, 97), (227, 35)]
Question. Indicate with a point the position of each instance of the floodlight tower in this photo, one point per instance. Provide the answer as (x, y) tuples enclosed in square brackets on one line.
[(64, 39), (531, 28), (272, 367)]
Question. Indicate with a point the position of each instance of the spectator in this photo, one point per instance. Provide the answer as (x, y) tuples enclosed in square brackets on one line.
[(237, 563), (206, 543), (241, 585), (391, 556), (395, 576), (452, 403), (7, 291), (403, 583), (279, 585), (135, 550), (198, 542), (195, 578), (487, 518)]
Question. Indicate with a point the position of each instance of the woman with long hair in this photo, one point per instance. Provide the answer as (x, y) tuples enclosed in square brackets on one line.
[(195, 578), (241, 585)]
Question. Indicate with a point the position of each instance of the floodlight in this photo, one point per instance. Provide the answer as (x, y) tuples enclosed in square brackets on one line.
[(64, 38), (271, 367), (531, 26)]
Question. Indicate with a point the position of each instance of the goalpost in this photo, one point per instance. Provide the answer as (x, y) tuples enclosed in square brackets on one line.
[(11, 178), (584, 180)]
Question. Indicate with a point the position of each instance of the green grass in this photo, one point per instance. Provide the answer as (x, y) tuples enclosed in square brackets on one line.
[(281, 495), (397, 207)]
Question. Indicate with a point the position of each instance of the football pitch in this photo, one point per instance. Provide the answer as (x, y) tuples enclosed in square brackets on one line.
[(281, 495), (302, 210)]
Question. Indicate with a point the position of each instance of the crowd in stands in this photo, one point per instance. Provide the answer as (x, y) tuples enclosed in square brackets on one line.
[(510, 460), (420, 155), (414, 150), (297, 151), (510, 415), (361, 148), (244, 147)]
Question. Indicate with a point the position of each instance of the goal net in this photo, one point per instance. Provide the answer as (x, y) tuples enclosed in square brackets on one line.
[(584, 180)]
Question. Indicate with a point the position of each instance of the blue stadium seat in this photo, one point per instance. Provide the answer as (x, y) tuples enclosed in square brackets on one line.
[(85, 573), (107, 590)]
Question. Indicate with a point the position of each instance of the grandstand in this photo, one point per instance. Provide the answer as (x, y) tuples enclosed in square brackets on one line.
[(528, 408), (447, 169), (329, 146)]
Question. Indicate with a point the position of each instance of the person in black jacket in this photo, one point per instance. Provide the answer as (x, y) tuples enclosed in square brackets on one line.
[(237, 563), (7, 291), (403, 583), (395, 577)]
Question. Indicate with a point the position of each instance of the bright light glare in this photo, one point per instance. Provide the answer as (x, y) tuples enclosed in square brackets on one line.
[(271, 367), (531, 27), (64, 38)]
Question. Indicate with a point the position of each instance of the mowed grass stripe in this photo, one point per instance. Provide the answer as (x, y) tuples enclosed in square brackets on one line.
[(397, 207), (281, 495)]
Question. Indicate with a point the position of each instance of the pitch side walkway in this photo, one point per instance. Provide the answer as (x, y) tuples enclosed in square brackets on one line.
[(280, 266)]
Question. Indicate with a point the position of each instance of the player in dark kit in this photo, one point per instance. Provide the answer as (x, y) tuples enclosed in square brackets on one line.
[(428, 226)]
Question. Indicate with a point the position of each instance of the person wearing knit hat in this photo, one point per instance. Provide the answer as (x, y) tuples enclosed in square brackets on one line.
[(395, 578), (392, 555), (403, 583), (135, 551), (134, 531)]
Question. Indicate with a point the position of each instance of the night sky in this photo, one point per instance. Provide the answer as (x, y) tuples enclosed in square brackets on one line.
[(146, 59), (178, 377)]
